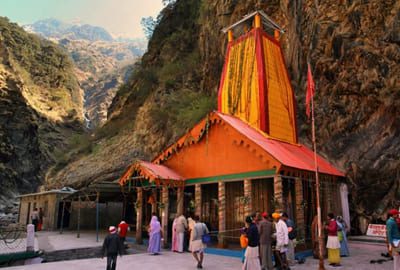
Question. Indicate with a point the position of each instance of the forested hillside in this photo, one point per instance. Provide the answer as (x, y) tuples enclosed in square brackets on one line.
[(40, 106)]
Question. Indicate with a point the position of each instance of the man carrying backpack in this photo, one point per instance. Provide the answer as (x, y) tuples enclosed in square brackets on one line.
[(292, 236)]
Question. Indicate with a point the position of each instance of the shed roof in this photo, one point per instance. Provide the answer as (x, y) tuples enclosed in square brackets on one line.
[(53, 191), (150, 171)]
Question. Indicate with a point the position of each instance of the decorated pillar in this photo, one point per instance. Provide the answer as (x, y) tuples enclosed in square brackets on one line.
[(327, 186), (180, 198), (221, 214), (247, 197), (278, 193), (299, 207), (164, 214), (139, 215), (154, 201), (197, 198)]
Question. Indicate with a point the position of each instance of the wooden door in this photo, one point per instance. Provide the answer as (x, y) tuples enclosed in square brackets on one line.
[(235, 219), (262, 192)]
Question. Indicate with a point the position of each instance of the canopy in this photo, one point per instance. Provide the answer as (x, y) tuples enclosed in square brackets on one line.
[(158, 174)]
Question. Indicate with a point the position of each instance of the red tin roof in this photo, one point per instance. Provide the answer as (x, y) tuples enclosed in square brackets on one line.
[(291, 155)]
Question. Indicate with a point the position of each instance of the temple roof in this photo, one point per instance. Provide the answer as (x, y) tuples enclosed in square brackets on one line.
[(296, 156), (291, 155), (150, 171)]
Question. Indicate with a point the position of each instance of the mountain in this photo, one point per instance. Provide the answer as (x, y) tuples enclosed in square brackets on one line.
[(53, 28), (353, 47), (101, 62), (41, 109)]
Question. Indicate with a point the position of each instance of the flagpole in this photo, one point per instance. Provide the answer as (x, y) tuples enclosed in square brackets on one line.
[(320, 239)]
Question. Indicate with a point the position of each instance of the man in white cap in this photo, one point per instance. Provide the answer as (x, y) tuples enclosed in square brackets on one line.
[(112, 247)]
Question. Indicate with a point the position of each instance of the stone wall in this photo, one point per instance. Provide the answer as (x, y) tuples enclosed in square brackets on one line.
[(48, 202)]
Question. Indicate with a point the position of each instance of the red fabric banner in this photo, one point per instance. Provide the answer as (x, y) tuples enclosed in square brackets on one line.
[(310, 91)]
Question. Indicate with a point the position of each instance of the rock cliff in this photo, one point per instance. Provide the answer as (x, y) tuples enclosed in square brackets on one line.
[(40, 107), (353, 47)]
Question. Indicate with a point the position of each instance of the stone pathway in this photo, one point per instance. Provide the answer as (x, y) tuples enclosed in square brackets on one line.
[(168, 260), (361, 255)]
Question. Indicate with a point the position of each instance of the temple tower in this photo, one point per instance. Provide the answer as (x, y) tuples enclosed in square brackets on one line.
[(255, 85)]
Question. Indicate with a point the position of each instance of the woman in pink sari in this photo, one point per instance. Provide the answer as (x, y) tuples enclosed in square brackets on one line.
[(154, 236), (174, 245)]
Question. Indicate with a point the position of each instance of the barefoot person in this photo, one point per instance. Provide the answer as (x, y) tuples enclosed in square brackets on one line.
[(197, 245), (112, 247), (154, 236)]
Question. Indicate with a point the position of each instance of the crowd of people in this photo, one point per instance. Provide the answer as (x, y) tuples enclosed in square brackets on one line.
[(187, 234), (274, 236), (264, 237), (267, 236)]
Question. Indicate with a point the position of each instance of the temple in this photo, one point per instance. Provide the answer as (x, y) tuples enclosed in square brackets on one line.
[(245, 157)]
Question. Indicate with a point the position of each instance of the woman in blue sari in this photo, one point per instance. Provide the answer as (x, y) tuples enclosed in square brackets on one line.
[(344, 248)]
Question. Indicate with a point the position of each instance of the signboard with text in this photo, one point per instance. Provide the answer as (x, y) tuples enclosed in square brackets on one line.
[(376, 230)]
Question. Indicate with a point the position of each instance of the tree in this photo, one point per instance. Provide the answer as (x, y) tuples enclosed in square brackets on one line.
[(167, 2), (148, 25)]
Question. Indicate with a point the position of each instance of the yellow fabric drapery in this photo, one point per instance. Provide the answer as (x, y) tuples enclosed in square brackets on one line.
[(243, 87), (280, 94), (240, 91)]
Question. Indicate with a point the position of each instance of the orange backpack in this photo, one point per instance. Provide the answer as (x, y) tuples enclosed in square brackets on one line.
[(244, 241)]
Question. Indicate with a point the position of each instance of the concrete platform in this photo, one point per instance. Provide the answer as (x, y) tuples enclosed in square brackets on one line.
[(52, 241)]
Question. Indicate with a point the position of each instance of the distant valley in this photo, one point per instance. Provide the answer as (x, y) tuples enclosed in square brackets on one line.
[(102, 62)]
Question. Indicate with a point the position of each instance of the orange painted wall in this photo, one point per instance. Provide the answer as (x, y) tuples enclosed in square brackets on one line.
[(222, 154)]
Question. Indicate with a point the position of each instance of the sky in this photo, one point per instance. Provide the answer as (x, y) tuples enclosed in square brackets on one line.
[(119, 17)]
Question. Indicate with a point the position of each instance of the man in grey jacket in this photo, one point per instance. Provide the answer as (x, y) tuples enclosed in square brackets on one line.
[(266, 231)]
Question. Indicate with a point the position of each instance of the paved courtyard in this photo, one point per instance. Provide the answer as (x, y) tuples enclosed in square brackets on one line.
[(361, 255)]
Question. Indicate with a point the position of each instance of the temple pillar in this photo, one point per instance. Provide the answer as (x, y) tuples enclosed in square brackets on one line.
[(278, 193), (154, 202), (180, 198), (139, 215), (299, 208), (197, 199), (247, 197), (221, 213), (164, 215), (328, 191)]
